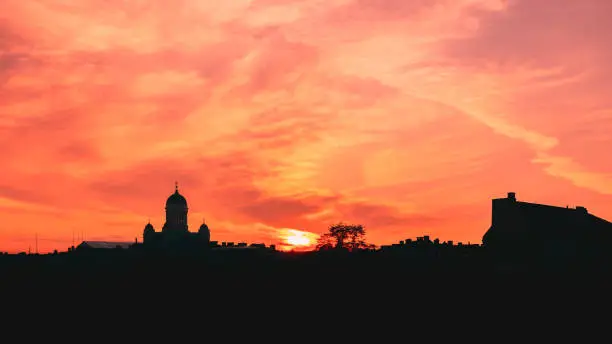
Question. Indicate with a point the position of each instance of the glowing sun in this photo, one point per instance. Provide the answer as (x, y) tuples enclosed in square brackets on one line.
[(297, 238)]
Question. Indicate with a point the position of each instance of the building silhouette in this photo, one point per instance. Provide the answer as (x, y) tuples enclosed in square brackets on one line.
[(175, 234), (530, 230), (104, 245)]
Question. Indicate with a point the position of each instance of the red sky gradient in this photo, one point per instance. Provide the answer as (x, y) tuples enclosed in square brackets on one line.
[(406, 116)]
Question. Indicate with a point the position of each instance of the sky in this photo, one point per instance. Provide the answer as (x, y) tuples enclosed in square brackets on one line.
[(282, 117)]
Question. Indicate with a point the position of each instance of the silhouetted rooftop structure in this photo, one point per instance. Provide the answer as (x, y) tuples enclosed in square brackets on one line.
[(425, 241), (529, 228), (104, 245)]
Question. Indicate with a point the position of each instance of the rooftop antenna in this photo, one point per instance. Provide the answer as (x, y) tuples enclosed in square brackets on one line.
[(73, 238), (36, 243)]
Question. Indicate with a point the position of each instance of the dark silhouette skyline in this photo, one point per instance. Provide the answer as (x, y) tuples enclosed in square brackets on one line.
[(518, 230), (522, 235), (343, 278)]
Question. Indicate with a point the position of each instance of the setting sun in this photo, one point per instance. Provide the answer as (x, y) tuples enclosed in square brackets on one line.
[(296, 239)]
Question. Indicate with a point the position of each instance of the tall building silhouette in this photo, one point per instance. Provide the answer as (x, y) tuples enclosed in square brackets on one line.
[(175, 232)]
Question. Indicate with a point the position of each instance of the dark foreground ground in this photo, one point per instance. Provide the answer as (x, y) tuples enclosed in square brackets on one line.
[(264, 277), (328, 289)]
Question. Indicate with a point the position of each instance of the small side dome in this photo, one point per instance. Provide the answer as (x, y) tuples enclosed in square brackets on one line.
[(204, 229), (204, 233), (149, 228)]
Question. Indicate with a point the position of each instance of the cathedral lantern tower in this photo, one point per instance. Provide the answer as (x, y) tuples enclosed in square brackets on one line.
[(176, 213)]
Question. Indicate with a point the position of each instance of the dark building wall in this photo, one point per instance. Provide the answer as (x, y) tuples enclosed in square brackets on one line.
[(519, 228), (187, 241)]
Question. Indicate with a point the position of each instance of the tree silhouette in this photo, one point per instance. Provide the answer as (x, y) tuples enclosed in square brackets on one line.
[(325, 242), (343, 236)]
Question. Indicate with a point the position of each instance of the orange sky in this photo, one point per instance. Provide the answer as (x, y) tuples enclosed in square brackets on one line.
[(406, 116)]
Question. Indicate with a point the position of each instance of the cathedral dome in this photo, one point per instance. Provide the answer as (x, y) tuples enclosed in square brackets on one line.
[(176, 199)]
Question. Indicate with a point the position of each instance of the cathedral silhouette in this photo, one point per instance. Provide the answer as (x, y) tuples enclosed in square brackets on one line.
[(175, 233)]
